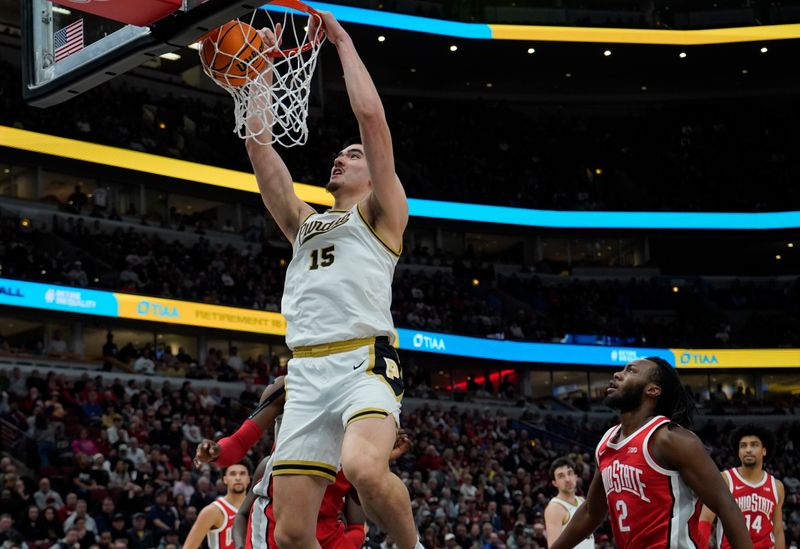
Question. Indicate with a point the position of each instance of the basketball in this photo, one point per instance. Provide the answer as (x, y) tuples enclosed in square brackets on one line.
[(232, 53)]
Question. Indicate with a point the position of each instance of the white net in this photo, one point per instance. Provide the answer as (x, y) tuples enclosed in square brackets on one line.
[(270, 83)]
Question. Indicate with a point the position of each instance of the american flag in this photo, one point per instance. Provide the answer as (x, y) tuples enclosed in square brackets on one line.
[(68, 40)]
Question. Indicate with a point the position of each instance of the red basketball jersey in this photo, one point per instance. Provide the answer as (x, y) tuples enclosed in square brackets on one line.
[(649, 507), (222, 537), (757, 502)]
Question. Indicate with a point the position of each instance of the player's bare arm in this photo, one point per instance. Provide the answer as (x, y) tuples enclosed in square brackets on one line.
[(274, 180), (239, 530), (386, 209), (707, 515), (263, 418), (555, 517), (210, 518), (587, 518), (676, 448), (777, 518)]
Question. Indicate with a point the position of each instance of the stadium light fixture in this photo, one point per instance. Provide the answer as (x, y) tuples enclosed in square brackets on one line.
[(607, 53), (764, 49), (531, 50), (682, 55), (790, 245), (778, 257), (453, 47), (381, 38)]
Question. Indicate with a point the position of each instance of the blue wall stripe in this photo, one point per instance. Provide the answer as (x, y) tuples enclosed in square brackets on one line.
[(602, 220)]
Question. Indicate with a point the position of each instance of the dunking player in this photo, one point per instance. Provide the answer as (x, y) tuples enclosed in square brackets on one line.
[(215, 521), (257, 528), (344, 382), (563, 506), (651, 469), (759, 494)]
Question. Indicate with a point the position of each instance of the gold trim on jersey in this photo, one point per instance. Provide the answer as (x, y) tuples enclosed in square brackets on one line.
[(367, 413), (332, 211), (326, 349), (389, 249), (301, 467)]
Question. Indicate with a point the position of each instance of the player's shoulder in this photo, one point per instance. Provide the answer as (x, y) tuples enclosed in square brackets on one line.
[(554, 507), (675, 444)]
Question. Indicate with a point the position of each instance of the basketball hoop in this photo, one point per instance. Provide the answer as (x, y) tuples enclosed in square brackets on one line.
[(270, 86)]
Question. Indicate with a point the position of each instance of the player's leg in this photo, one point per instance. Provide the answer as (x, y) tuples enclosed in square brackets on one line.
[(365, 460), (307, 453), (296, 505)]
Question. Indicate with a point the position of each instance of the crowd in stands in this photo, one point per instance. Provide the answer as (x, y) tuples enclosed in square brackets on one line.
[(461, 296), (103, 464), (670, 157)]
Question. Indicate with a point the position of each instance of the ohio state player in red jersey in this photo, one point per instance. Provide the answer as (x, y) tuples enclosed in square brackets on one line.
[(651, 470), (215, 521), (758, 494)]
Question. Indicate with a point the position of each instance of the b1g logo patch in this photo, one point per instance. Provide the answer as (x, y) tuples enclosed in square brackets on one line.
[(387, 365)]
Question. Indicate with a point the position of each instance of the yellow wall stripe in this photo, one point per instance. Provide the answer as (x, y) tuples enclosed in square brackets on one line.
[(645, 36), (145, 162)]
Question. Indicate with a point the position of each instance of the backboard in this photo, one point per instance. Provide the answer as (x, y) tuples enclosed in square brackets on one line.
[(72, 46)]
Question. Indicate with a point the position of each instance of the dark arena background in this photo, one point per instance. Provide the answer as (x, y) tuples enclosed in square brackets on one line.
[(590, 183)]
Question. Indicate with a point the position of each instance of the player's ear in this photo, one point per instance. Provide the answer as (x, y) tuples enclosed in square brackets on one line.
[(652, 390)]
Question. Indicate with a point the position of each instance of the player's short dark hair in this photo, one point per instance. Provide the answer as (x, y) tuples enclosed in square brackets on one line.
[(766, 436), (560, 462), (246, 463), (674, 401)]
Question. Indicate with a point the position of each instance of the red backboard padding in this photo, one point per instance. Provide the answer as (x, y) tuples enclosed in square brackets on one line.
[(140, 12)]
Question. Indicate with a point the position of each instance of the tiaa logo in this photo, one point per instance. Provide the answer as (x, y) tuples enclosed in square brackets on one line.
[(158, 310), (699, 359)]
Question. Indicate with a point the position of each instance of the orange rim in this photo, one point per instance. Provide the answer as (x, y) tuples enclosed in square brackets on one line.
[(299, 6)]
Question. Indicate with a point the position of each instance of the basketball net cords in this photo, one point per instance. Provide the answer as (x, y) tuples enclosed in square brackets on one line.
[(271, 104)]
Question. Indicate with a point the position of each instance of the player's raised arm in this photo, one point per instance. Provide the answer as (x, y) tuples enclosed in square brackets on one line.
[(274, 180), (679, 449), (232, 449), (587, 518), (387, 207)]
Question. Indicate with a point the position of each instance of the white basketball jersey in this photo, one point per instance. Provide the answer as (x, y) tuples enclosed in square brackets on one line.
[(588, 543), (339, 282)]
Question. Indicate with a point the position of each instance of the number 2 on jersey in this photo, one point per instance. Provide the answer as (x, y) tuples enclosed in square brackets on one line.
[(622, 509), (321, 257)]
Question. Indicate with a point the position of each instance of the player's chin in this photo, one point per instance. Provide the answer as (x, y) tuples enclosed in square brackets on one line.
[(333, 185)]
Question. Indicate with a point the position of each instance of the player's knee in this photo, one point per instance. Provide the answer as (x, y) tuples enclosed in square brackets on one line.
[(366, 475), (291, 534)]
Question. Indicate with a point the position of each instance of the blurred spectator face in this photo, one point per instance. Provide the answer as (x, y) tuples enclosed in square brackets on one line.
[(105, 538), (5, 522), (33, 513), (72, 536), (486, 529), (71, 501), (108, 506), (120, 544), (191, 513), (139, 522), (49, 514), (44, 485), (80, 508)]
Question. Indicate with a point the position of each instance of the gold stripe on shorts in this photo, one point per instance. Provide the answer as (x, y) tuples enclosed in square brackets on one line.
[(300, 467), (367, 413), (332, 348)]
